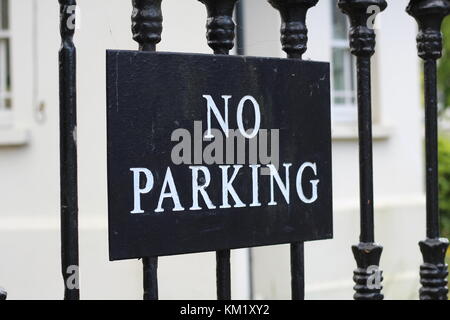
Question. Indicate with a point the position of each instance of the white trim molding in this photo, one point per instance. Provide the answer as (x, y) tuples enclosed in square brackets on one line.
[(14, 137), (349, 132)]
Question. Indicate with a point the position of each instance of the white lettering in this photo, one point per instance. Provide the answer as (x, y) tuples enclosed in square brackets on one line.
[(168, 181), (137, 187), (196, 188), (314, 183), (284, 187), (240, 121), (255, 186), (211, 105)]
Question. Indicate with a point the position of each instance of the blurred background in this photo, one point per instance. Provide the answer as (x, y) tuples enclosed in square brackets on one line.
[(29, 153)]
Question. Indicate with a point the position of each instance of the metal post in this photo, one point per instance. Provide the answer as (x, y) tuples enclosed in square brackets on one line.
[(362, 44), (68, 151), (220, 34), (433, 272), (294, 39), (147, 28)]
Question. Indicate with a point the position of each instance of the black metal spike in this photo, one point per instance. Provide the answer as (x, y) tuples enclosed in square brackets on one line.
[(3, 294), (434, 270), (294, 40)]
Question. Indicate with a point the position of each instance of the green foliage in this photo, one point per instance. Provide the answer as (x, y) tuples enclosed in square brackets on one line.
[(444, 65), (444, 185)]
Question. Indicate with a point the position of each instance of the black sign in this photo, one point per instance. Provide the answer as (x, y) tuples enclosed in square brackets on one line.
[(216, 152)]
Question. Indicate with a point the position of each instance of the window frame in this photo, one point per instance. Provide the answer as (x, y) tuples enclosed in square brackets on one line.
[(343, 112)]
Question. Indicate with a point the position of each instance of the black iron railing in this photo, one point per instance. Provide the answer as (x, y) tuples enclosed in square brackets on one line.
[(433, 272)]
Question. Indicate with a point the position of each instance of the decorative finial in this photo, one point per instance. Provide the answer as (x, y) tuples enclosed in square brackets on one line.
[(220, 26), (147, 23), (429, 16), (362, 35), (434, 270), (294, 33), (367, 276)]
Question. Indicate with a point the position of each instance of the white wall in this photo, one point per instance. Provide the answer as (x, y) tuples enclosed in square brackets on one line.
[(29, 211)]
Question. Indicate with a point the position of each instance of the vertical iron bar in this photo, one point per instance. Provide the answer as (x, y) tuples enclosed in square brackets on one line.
[(147, 28), (367, 253), (298, 271), (433, 272), (240, 38), (150, 278), (365, 149), (431, 147), (68, 151), (294, 40), (220, 35)]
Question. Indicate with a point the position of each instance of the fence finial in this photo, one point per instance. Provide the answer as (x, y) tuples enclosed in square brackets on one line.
[(362, 33), (294, 40), (220, 34), (434, 271), (147, 23), (294, 33), (429, 16), (220, 26)]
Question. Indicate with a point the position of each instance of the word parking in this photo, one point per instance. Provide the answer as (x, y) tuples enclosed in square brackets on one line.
[(169, 189)]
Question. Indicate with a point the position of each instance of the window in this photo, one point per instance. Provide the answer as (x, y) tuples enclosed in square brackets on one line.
[(5, 81), (343, 70)]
